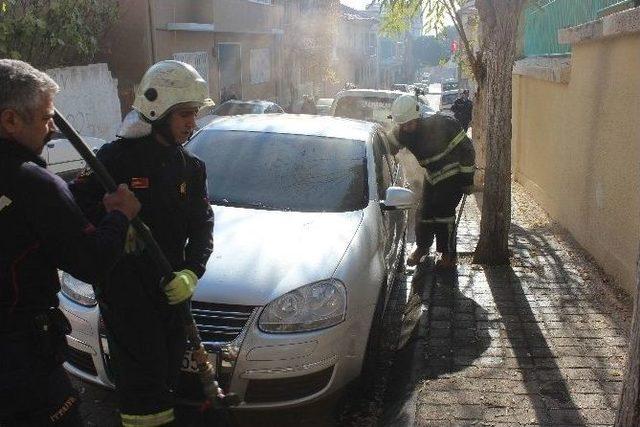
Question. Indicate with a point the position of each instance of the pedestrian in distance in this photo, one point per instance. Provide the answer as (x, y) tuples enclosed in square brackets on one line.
[(443, 149), (42, 230), (146, 336), (308, 105), (463, 110)]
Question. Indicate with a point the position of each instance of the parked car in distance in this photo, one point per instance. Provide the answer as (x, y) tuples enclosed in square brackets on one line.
[(402, 87), (447, 99), (323, 106), (236, 107), (450, 85), (311, 216), (62, 159), (371, 105)]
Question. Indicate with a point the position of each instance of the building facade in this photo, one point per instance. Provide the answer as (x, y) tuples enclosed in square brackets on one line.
[(236, 45)]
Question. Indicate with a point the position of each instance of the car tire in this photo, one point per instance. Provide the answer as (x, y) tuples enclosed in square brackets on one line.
[(374, 350)]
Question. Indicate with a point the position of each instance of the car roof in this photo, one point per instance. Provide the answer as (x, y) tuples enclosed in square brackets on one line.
[(249, 101), (296, 124), (370, 93)]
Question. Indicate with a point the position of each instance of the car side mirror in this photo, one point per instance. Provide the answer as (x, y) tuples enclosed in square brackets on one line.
[(398, 198)]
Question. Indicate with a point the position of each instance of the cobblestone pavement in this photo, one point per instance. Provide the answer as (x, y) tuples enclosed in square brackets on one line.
[(541, 342)]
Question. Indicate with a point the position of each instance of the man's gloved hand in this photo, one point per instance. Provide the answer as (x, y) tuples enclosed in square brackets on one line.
[(133, 244), (181, 287)]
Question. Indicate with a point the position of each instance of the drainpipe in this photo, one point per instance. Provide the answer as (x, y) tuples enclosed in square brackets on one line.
[(152, 32)]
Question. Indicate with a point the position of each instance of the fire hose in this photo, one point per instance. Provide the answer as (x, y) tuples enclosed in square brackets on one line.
[(214, 395)]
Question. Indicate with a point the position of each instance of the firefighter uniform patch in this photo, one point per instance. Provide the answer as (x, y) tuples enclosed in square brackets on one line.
[(4, 202), (141, 182), (84, 174)]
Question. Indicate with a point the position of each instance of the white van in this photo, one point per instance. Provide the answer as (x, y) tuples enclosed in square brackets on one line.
[(63, 160)]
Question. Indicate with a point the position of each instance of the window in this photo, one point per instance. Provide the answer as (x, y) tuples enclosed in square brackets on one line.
[(383, 168), (283, 171)]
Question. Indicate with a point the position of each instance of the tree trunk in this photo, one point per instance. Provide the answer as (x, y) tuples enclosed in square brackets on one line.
[(629, 409), (499, 20)]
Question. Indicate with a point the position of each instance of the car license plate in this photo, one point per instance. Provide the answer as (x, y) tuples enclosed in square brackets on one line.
[(190, 365)]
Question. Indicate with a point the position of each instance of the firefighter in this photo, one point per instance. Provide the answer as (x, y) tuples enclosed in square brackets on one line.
[(146, 337), (42, 230), (463, 109), (442, 147)]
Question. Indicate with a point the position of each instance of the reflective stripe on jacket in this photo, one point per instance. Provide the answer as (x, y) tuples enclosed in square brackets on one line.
[(442, 147)]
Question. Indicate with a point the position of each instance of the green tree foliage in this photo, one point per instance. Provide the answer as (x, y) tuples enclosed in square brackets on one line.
[(54, 33), (432, 50)]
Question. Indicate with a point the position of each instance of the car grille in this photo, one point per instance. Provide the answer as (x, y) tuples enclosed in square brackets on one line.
[(220, 323), (264, 391), (81, 360)]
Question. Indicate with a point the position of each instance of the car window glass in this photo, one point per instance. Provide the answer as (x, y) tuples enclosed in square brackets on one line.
[(236, 109), (392, 161), (370, 108), (273, 171), (383, 171)]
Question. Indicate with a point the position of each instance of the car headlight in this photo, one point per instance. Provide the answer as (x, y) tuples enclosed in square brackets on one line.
[(314, 306), (77, 290)]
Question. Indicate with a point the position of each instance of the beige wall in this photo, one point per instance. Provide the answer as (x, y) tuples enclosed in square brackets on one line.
[(576, 146)]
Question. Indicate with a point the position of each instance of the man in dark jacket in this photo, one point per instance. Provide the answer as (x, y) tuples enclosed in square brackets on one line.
[(463, 110), (308, 105), (441, 147), (146, 336), (42, 230)]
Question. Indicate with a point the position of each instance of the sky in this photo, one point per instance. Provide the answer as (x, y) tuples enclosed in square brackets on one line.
[(356, 4)]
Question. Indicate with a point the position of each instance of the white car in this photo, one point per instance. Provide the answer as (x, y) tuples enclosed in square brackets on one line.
[(235, 107), (372, 105), (323, 106), (447, 99), (310, 223), (63, 159)]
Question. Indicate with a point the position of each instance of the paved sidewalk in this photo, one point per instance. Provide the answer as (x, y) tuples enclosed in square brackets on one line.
[(541, 342)]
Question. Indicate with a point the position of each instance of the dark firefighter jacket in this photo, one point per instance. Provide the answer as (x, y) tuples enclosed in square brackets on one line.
[(171, 185), (42, 229), (462, 109), (441, 147)]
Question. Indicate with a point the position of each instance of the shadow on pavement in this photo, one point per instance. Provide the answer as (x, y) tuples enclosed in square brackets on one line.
[(447, 325), (546, 386)]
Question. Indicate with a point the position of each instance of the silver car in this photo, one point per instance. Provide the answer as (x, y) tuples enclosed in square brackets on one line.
[(310, 221)]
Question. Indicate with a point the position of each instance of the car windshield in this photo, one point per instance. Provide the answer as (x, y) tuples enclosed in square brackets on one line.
[(236, 109), (370, 108), (282, 171), (449, 86), (449, 98)]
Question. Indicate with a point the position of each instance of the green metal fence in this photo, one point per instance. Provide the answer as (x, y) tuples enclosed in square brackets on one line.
[(543, 19)]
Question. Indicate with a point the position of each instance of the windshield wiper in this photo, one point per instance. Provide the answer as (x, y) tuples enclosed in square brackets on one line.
[(250, 205)]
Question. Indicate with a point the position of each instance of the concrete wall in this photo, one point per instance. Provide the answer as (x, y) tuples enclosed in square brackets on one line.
[(88, 98), (576, 146)]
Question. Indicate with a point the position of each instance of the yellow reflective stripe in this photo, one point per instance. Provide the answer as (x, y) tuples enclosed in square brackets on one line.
[(452, 144), (149, 420), (467, 169), (442, 176), (449, 171), (447, 220)]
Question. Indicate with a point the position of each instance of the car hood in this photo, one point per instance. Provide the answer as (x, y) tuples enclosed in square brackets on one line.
[(260, 255)]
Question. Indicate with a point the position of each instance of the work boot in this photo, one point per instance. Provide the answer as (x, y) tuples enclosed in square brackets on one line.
[(416, 257), (447, 262)]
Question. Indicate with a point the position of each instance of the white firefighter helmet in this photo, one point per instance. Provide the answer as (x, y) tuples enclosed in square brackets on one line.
[(167, 84), (404, 109)]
